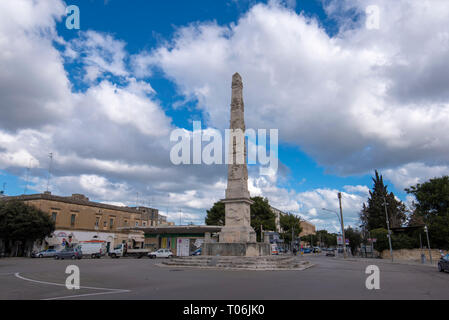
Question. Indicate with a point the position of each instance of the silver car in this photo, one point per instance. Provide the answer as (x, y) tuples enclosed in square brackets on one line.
[(46, 253)]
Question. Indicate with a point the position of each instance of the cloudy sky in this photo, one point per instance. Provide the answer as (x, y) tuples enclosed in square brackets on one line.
[(346, 98)]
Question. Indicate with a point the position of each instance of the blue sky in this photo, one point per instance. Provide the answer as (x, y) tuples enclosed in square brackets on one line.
[(105, 98)]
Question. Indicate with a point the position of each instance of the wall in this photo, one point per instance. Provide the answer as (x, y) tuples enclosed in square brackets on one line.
[(412, 254)]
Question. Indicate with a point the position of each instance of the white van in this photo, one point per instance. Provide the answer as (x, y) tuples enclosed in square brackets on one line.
[(93, 248)]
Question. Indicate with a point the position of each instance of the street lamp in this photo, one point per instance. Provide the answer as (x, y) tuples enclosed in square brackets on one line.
[(388, 227), (342, 226), (340, 219)]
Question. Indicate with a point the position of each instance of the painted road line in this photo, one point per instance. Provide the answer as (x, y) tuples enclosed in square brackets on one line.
[(107, 290)]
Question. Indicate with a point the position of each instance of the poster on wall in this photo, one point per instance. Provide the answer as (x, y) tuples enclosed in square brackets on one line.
[(183, 247)]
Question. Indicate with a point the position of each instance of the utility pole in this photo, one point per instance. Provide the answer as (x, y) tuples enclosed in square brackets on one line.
[(50, 155), (388, 227), (342, 226), (428, 242)]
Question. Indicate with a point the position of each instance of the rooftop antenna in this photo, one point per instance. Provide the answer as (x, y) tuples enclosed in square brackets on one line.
[(50, 155), (180, 217), (137, 200)]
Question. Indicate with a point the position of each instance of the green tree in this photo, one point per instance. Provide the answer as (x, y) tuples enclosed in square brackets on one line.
[(289, 222), (355, 238), (20, 222), (261, 215), (381, 236), (432, 209), (372, 214), (216, 215), (327, 239)]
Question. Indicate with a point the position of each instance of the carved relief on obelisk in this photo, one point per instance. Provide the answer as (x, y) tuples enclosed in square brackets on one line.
[(237, 202)]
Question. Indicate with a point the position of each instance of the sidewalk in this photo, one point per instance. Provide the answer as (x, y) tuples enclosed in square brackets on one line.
[(405, 262)]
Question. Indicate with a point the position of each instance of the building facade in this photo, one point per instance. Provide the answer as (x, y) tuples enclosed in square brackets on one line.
[(307, 227), (181, 240), (79, 219)]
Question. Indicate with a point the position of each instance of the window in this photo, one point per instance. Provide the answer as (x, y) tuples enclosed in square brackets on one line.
[(126, 223), (105, 224), (111, 223), (72, 219), (53, 216), (97, 221), (144, 223)]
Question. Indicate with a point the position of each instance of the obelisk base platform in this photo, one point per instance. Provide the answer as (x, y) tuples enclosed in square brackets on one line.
[(254, 249), (237, 237)]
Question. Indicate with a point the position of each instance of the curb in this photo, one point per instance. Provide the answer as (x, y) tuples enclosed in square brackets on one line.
[(306, 266)]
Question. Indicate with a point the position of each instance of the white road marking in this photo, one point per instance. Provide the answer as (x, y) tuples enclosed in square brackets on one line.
[(108, 290)]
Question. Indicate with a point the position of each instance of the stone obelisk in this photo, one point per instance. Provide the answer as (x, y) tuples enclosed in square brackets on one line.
[(237, 237), (237, 201)]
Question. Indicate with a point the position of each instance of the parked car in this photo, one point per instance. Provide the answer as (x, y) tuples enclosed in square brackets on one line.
[(44, 253), (197, 252), (69, 253), (330, 253), (306, 250), (161, 253), (443, 264)]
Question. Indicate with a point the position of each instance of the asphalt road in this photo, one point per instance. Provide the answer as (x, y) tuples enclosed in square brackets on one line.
[(329, 278)]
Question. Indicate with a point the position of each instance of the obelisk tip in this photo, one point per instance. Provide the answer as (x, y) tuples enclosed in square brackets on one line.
[(237, 80)]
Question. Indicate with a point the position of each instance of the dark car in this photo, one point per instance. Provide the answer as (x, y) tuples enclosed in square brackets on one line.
[(69, 253), (443, 264)]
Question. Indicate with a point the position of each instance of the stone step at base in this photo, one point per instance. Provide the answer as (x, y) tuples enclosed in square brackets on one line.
[(261, 263)]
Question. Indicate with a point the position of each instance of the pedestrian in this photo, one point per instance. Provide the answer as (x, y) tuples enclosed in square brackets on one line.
[(294, 251)]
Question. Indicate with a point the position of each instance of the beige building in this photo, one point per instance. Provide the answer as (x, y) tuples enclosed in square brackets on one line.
[(79, 219), (307, 227)]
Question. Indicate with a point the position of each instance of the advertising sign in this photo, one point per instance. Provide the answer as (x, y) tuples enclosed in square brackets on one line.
[(183, 247), (340, 240)]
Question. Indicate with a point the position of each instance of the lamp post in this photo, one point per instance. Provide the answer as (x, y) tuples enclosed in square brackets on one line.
[(388, 227), (428, 242), (340, 218), (342, 226)]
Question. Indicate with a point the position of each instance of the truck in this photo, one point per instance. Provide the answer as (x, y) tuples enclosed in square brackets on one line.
[(122, 250), (93, 248)]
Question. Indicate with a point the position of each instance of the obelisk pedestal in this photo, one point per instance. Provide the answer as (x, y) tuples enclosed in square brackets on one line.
[(237, 237)]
